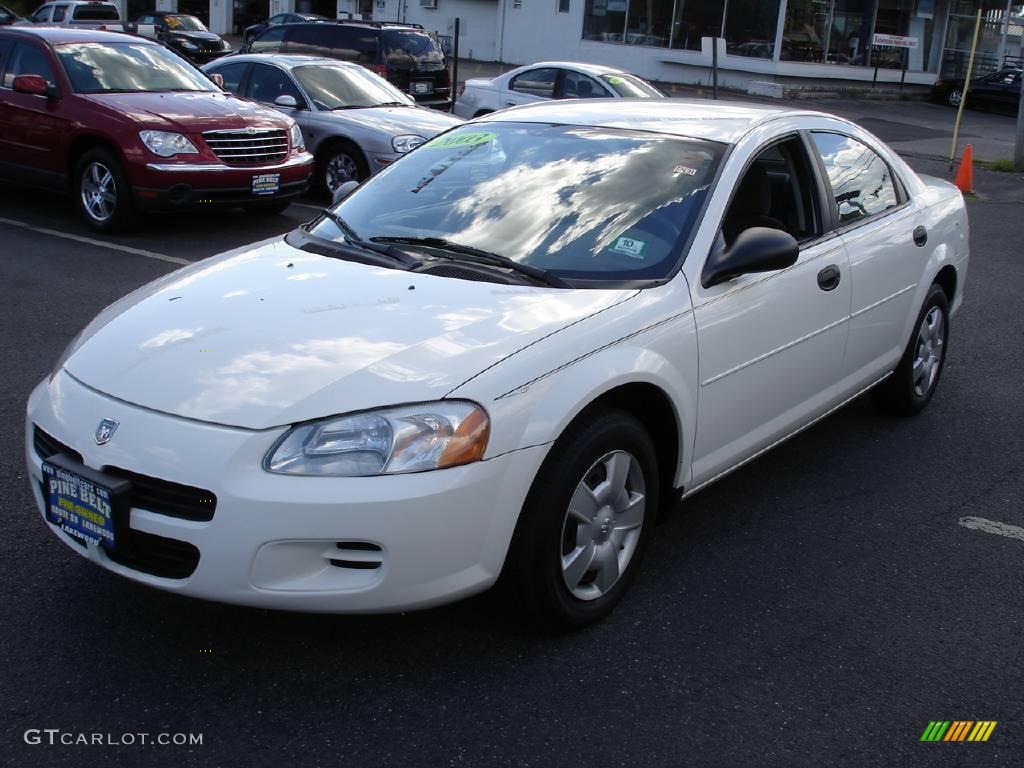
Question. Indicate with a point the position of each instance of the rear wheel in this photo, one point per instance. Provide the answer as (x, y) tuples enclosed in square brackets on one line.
[(102, 193), (954, 97), (911, 386), (585, 524), (338, 164)]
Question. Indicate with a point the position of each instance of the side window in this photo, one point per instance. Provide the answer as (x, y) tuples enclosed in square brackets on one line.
[(266, 83), (28, 60), (313, 41), (355, 44), (536, 82), (278, 19), (579, 86), (59, 12), (777, 191), (232, 74), (861, 181), (270, 41), (42, 15)]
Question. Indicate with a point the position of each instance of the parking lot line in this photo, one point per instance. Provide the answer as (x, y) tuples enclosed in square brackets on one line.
[(92, 241), (991, 526)]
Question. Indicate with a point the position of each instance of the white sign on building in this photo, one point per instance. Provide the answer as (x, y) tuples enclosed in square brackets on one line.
[(894, 41)]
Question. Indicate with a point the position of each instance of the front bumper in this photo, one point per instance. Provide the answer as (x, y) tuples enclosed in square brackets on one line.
[(290, 542), (169, 185)]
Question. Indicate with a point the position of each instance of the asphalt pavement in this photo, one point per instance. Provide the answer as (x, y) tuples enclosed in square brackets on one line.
[(818, 607)]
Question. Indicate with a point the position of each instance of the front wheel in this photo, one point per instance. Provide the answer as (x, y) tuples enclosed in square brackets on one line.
[(340, 164), (911, 386), (586, 521), (102, 193), (954, 97)]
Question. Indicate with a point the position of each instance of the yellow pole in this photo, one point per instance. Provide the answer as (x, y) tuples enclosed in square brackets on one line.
[(963, 93)]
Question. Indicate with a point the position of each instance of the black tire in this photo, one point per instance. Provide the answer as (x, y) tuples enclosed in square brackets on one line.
[(106, 216), (534, 568), (953, 97), (902, 394), (274, 208), (347, 154)]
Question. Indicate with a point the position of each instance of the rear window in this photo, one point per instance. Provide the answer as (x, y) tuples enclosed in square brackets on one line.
[(411, 47), (97, 12)]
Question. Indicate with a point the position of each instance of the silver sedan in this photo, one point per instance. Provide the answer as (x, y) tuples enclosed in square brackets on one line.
[(353, 120)]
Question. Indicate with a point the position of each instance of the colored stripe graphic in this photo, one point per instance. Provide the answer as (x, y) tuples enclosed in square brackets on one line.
[(958, 730)]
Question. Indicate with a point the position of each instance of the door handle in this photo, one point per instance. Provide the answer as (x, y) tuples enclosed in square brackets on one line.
[(829, 277), (920, 236)]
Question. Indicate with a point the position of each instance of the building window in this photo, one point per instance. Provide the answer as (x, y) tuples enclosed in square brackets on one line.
[(695, 19), (563, 6), (827, 31), (749, 28)]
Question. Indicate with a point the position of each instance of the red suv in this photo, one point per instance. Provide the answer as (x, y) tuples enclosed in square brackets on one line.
[(126, 124)]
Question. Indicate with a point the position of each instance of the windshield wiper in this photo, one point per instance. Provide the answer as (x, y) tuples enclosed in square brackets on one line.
[(468, 253), (352, 238), (393, 104)]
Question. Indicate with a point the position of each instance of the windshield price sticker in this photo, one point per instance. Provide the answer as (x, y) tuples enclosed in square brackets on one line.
[(630, 247), (461, 140)]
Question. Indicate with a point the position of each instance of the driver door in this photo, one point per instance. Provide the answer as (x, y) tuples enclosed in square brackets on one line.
[(771, 344)]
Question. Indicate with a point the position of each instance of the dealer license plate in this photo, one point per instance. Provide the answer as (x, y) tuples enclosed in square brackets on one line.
[(81, 506), (266, 183), (421, 87)]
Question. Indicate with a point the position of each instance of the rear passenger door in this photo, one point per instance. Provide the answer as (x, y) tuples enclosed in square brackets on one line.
[(877, 224), (576, 85)]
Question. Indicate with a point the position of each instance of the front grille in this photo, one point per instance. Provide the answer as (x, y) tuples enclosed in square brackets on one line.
[(46, 445), (259, 147), (166, 498), (155, 555)]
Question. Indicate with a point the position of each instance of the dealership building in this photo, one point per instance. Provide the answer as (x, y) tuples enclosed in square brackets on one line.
[(790, 42)]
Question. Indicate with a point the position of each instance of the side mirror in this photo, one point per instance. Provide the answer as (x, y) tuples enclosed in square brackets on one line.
[(758, 249), (343, 191), (218, 80), (33, 84), (286, 100)]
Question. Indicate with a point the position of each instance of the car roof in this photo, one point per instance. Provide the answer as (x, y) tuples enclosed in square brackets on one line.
[(592, 69), (58, 35), (722, 121), (287, 60)]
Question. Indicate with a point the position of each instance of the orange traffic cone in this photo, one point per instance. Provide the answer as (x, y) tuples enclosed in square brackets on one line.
[(965, 173)]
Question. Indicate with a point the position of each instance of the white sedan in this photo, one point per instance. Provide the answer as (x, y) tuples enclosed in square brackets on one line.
[(505, 353), (550, 80)]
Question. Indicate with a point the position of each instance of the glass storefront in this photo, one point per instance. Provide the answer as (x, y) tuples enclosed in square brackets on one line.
[(816, 31)]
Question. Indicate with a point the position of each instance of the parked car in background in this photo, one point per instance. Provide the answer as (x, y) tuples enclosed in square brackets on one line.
[(353, 121), (550, 80), (255, 30), (406, 55), (7, 16), (125, 124), (87, 14), (505, 354), (187, 35), (999, 91)]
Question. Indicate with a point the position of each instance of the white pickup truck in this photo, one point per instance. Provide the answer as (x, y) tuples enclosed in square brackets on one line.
[(87, 14)]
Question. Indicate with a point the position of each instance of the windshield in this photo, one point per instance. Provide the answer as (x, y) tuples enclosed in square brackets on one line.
[(333, 87), (184, 24), (132, 67), (632, 86), (411, 48), (96, 12), (582, 202)]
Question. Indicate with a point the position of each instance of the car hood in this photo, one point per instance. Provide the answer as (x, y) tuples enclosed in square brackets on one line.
[(398, 120), (189, 112), (271, 335), (195, 37)]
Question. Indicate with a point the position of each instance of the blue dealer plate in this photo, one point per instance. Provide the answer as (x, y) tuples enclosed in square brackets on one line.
[(81, 507), (266, 184)]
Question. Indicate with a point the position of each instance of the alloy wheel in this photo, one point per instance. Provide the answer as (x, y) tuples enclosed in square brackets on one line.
[(954, 98), (602, 525), (99, 192), (931, 340), (341, 168)]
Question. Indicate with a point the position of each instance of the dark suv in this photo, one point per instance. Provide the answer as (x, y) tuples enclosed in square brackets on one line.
[(409, 57)]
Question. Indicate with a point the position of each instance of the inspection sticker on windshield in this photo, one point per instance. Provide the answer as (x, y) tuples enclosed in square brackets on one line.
[(616, 80), (630, 247), (684, 170), (460, 141)]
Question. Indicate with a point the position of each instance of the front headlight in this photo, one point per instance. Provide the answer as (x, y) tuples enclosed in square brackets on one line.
[(407, 142), (389, 441), (188, 45), (296, 135), (166, 144)]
